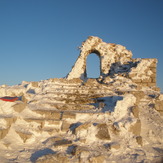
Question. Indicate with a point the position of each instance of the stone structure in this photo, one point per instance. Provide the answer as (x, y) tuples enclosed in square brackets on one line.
[(76, 119), (115, 60)]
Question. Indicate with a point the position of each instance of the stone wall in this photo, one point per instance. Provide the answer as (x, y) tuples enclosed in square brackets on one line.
[(115, 60), (108, 53)]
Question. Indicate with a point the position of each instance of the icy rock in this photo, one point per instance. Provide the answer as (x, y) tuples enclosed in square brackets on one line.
[(10, 120), (49, 114), (24, 136), (19, 107), (102, 132), (65, 126), (97, 159), (114, 146), (62, 142), (3, 133), (135, 111), (68, 115), (139, 140), (136, 128), (53, 158)]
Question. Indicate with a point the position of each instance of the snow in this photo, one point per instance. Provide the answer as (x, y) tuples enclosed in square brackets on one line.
[(31, 136)]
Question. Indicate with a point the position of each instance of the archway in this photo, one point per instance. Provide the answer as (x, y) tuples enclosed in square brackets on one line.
[(93, 66)]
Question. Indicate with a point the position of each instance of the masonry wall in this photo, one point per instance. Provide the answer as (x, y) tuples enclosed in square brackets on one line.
[(145, 74)]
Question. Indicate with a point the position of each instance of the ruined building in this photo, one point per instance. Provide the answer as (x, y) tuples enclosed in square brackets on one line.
[(78, 119)]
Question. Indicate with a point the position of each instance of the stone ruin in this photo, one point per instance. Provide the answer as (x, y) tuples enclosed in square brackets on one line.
[(70, 110), (115, 60)]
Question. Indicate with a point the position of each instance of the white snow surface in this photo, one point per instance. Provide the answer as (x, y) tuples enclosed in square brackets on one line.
[(24, 140)]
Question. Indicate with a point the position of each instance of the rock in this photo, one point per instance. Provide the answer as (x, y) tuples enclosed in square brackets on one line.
[(159, 105), (136, 128), (65, 126), (62, 142), (84, 126), (135, 111), (24, 136), (139, 140), (53, 158), (49, 114), (97, 159), (103, 132), (3, 133), (69, 115), (10, 121), (115, 146), (34, 84), (114, 130), (19, 107)]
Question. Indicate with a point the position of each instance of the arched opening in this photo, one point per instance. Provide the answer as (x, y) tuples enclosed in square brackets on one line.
[(93, 66)]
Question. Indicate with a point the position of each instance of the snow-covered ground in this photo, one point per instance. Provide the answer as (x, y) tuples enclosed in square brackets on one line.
[(57, 120)]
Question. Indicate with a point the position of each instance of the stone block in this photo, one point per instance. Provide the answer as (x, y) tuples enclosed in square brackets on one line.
[(10, 121), (3, 133), (23, 99), (153, 80), (34, 84), (19, 107), (24, 136), (39, 121), (62, 142), (161, 112), (97, 159), (49, 114), (103, 132), (136, 80), (139, 96), (157, 89), (131, 75), (136, 128), (144, 84), (159, 105), (153, 69), (139, 140), (51, 131), (54, 122), (146, 80), (114, 130), (153, 75), (67, 115), (154, 64), (65, 126), (135, 111), (151, 84), (115, 146), (80, 127), (53, 158)]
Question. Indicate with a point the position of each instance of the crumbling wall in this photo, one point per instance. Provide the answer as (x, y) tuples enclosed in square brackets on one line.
[(108, 53), (114, 60), (145, 72)]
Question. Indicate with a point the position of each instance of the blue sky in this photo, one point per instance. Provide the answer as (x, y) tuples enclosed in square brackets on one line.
[(39, 39)]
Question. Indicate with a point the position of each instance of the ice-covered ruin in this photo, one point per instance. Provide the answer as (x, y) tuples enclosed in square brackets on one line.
[(114, 118), (115, 60)]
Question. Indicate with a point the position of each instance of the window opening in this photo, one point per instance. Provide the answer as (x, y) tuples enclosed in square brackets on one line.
[(93, 66)]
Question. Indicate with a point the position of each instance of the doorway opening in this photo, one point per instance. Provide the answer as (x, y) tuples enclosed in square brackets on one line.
[(93, 66)]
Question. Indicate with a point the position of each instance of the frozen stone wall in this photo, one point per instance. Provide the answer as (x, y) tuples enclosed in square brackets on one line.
[(108, 53), (115, 60)]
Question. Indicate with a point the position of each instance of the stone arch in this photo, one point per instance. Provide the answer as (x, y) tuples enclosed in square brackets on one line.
[(108, 53)]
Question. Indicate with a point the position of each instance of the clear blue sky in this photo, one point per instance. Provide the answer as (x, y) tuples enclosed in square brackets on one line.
[(39, 38)]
